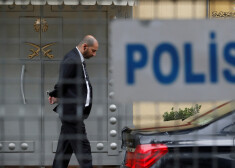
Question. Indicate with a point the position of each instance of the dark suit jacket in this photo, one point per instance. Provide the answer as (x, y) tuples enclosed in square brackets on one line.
[(71, 89)]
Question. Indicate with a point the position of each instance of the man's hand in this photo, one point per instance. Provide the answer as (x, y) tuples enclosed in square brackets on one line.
[(52, 100)]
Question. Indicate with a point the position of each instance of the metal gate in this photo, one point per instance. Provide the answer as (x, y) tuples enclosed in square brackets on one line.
[(34, 40)]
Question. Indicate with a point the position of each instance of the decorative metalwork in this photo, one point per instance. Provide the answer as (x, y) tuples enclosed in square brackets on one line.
[(113, 146), (35, 52), (222, 14), (113, 107), (24, 146), (100, 146), (113, 133), (40, 23), (113, 120), (11, 146)]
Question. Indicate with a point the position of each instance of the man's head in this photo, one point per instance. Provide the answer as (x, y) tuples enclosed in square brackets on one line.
[(88, 46)]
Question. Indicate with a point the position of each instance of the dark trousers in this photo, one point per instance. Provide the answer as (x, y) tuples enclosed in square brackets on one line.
[(73, 139)]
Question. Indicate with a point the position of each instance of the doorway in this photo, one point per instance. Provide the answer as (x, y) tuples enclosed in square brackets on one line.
[(33, 43)]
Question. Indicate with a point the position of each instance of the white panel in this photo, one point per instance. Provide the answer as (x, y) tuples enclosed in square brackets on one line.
[(22, 2), (71, 2), (104, 2), (38, 2), (131, 2), (4, 2), (184, 9), (55, 2), (68, 2), (121, 3), (116, 2), (90, 2)]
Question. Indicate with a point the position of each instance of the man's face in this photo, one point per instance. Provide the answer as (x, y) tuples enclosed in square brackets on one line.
[(90, 51)]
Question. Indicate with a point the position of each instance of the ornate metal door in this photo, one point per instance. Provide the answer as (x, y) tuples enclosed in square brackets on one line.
[(33, 41)]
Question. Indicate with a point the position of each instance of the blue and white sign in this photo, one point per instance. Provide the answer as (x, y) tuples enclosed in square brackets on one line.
[(173, 60)]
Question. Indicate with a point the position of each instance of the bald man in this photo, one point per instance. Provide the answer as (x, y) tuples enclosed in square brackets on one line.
[(73, 93)]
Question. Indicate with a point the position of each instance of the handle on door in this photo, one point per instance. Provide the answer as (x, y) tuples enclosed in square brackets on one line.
[(22, 83)]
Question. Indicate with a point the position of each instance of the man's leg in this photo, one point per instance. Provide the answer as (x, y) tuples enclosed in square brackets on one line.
[(83, 154), (64, 149), (81, 147)]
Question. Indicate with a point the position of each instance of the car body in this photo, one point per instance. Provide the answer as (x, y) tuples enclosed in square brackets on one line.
[(205, 140)]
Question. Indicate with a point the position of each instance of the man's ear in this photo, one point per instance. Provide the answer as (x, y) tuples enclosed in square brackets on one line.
[(85, 46)]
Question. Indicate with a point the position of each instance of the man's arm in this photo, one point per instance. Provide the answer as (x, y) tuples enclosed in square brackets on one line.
[(66, 76), (54, 93), (66, 70)]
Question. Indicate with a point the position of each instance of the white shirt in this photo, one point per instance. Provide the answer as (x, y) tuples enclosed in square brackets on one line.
[(87, 85)]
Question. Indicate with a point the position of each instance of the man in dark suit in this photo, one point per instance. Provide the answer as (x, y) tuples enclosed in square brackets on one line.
[(73, 92)]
